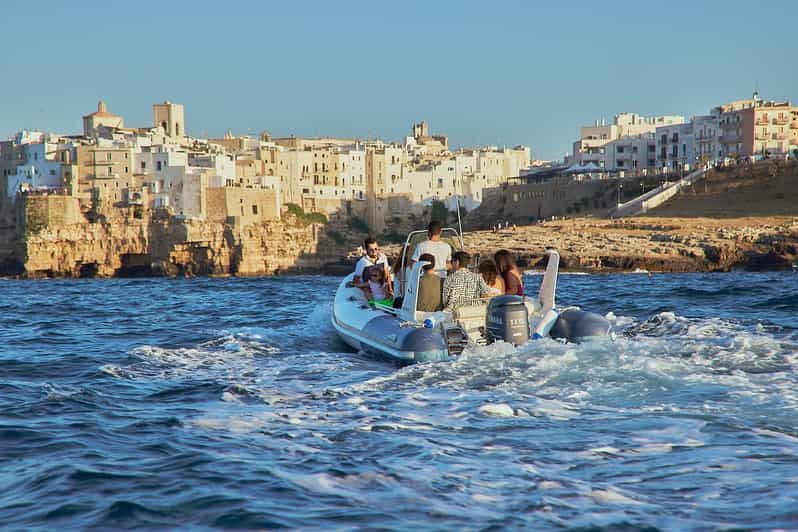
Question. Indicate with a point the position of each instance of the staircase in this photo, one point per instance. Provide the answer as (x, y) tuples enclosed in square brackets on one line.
[(656, 197)]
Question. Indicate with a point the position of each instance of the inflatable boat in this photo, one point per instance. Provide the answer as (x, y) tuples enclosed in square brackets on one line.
[(407, 335)]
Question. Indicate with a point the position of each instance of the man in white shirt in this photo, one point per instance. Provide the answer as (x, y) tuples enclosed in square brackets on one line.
[(435, 247), (372, 257)]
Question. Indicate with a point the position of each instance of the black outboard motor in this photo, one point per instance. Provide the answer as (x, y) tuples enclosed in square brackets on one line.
[(508, 320)]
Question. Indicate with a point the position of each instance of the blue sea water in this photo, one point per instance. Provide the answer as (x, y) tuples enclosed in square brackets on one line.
[(230, 403)]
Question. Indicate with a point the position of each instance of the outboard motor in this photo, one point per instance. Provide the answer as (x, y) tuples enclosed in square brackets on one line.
[(508, 320)]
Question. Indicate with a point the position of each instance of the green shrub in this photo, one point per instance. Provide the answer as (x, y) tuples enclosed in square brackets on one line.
[(295, 209), (439, 212), (359, 224), (304, 218), (315, 218)]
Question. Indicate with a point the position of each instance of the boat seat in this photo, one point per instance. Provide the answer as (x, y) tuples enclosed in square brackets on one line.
[(472, 319)]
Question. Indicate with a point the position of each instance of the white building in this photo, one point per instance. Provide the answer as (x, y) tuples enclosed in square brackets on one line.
[(40, 170), (675, 147), (633, 155), (593, 140), (706, 136)]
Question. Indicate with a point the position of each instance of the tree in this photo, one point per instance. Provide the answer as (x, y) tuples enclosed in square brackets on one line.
[(438, 211)]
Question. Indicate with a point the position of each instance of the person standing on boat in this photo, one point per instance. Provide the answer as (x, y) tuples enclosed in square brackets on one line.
[(513, 282), (462, 288), (435, 247), (372, 257)]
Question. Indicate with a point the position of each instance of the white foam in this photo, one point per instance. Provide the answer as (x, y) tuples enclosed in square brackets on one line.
[(499, 410), (611, 496)]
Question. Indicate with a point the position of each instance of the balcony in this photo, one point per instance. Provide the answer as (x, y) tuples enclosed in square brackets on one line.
[(761, 136), (761, 121), (794, 125), (781, 136), (783, 121)]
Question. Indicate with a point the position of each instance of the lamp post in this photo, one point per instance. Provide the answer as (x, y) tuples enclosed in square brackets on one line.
[(620, 186)]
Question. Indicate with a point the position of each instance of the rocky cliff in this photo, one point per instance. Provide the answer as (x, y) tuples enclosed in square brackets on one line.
[(653, 244), (168, 247)]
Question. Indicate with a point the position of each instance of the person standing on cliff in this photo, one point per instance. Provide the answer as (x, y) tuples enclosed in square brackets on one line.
[(435, 247), (372, 257)]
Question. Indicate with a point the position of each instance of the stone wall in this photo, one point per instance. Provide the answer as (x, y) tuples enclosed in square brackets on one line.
[(248, 205), (41, 212)]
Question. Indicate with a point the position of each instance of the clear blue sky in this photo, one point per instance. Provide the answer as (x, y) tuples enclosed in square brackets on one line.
[(501, 72)]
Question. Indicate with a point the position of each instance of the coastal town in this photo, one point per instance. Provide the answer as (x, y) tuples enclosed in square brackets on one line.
[(177, 195)]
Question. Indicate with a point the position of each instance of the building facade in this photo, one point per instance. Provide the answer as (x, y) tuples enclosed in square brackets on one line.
[(756, 127)]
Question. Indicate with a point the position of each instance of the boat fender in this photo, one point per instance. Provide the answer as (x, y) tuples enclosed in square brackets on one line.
[(546, 323)]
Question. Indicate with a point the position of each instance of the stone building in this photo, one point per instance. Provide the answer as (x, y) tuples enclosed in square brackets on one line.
[(101, 118), (170, 117)]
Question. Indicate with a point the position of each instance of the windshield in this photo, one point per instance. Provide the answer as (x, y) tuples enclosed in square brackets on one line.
[(448, 235)]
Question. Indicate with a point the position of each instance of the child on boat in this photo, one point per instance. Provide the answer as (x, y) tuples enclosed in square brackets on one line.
[(377, 288)]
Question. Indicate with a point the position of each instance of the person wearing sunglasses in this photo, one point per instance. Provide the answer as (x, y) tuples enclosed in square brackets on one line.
[(372, 257)]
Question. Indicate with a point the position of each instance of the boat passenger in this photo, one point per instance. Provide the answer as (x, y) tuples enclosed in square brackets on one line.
[(495, 282), (379, 289), (372, 257), (435, 246), (462, 287), (430, 286), (513, 282)]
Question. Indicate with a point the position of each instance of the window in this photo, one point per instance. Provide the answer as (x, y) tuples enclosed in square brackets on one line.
[(158, 166), (108, 156), (620, 149), (254, 209), (143, 165)]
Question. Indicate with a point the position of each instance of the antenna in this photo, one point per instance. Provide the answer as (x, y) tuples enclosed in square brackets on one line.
[(459, 223)]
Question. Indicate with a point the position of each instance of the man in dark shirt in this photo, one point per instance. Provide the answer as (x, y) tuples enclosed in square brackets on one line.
[(429, 286)]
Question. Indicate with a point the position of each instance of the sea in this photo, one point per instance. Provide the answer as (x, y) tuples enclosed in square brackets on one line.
[(230, 403)]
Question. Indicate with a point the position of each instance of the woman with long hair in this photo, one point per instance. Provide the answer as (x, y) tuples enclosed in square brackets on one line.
[(495, 282), (513, 282)]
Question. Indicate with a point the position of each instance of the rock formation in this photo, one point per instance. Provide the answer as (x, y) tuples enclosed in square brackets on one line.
[(169, 247)]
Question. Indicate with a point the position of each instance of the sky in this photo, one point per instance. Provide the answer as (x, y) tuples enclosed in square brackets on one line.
[(482, 73)]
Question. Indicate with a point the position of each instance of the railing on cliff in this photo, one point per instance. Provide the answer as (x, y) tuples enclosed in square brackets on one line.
[(655, 197)]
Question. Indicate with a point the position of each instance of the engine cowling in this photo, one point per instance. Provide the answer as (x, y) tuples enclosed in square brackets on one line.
[(507, 319)]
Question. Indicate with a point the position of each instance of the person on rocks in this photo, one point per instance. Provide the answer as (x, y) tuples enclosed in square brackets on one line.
[(436, 247), (513, 282), (462, 287)]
